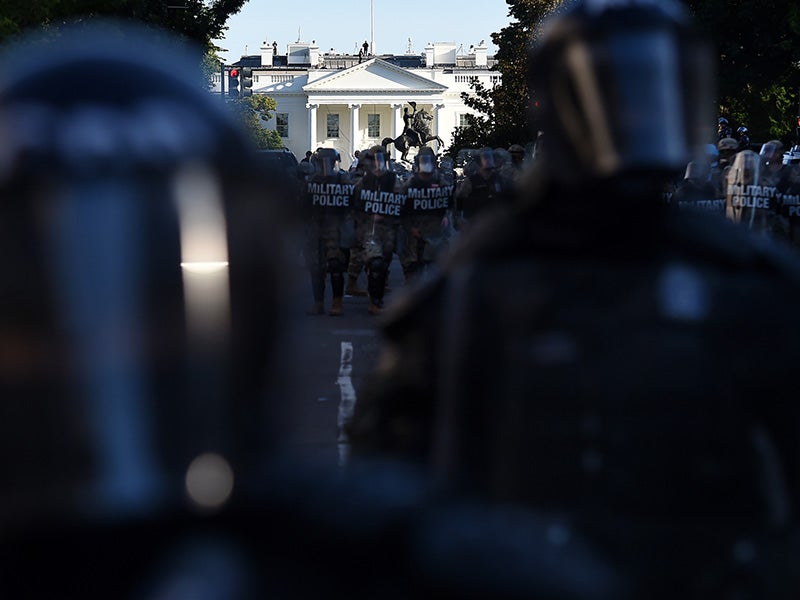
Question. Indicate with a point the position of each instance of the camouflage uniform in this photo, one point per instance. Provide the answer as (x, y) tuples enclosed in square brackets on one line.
[(426, 219), (377, 200), (329, 235)]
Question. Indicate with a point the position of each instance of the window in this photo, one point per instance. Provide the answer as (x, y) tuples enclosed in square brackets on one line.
[(463, 121), (333, 125), (282, 124), (374, 126)]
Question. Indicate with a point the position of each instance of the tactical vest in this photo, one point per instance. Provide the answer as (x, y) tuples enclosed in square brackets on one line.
[(485, 193), (329, 195), (427, 198)]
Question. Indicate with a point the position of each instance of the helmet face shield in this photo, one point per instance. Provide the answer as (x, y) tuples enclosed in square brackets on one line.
[(326, 162), (486, 159), (771, 151), (624, 93), (426, 163), (379, 164)]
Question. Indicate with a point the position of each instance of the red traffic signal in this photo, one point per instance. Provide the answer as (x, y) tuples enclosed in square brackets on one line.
[(233, 82)]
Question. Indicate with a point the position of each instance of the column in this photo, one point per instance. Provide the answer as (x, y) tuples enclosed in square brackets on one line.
[(355, 138), (397, 126), (312, 126)]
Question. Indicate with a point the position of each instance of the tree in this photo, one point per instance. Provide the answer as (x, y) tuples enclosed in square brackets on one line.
[(254, 111), (503, 110), (758, 42), (197, 20), (758, 45)]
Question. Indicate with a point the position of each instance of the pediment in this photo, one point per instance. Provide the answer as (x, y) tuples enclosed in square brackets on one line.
[(374, 75)]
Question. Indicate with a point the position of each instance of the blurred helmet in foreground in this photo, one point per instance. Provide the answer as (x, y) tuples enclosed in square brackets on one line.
[(623, 88), (138, 315)]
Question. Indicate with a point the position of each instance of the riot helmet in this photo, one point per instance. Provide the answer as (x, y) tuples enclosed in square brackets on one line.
[(623, 88), (139, 304), (487, 160), (325, 162), (727, 145), (724, 129), (517, 152), (379, 160), (772, 152), (426, 161), (697, 171)]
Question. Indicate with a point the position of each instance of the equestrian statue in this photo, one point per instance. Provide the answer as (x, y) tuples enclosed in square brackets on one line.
[(416, 133)]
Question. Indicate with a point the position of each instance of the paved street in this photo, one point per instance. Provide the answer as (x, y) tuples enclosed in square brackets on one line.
[(330, 357)]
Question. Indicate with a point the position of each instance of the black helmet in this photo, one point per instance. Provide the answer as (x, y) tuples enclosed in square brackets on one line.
[(138, 317), (622, 87), (326, 161)]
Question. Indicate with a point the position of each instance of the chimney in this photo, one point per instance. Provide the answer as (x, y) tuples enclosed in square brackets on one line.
[(266, 54), (429, 55), (480, 54)]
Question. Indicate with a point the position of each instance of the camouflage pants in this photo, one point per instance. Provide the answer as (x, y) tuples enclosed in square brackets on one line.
[(323, 250), (377, 240)]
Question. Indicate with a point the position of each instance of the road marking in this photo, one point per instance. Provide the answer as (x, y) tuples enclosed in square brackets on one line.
[(352, 332), (347, 401)]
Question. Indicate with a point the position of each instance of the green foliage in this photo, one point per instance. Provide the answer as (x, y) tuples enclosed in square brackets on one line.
[(254, 112), (759, 62), (197, 20), (758, 43), (503, 110)]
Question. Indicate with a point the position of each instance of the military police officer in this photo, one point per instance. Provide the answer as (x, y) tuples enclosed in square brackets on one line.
[(377, 202), (330, 229), (614, 365), (426, 215)]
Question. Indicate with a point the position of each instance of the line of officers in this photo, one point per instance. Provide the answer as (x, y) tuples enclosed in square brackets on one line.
[(760, 190), (355, 221)]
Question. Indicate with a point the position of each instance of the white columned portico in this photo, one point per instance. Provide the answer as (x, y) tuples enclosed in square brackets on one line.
[(312, 126), (354, 137), (397, 126)]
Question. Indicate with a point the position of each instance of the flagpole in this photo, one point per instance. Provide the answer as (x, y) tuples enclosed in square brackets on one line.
[(371, 27)]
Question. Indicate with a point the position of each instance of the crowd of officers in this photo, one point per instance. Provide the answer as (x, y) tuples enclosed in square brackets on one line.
[(760, 190), (357, 220)]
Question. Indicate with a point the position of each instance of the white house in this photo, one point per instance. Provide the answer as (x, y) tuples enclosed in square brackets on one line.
[(348, 102)]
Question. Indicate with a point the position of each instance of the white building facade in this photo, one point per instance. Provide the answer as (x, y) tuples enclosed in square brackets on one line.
[(349, 103)]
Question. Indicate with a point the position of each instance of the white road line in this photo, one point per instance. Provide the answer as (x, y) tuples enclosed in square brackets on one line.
[(347, 401)]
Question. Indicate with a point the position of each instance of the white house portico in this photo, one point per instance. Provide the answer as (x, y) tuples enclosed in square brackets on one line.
[(359, 106), (346, 103)]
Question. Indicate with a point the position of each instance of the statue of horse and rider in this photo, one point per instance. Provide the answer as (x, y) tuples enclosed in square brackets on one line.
[(416, 133)]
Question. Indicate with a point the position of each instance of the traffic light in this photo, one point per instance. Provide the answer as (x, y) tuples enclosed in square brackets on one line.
[(233, 82), (246, 81)]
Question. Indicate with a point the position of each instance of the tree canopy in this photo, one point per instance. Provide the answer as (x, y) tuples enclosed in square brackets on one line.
[(198, 20), (758, 46)]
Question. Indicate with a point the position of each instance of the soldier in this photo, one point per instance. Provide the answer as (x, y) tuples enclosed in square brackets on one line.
[(330, 229), (481, 190), (752, 197), (138, 323), (724, 130), (426, 215), (619, 368), (743, 137), (697, 191), (377, 201)]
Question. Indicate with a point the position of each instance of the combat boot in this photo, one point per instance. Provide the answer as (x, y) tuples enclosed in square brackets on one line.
[(375, 307), (337, 309), (352, 287), (316, 309)]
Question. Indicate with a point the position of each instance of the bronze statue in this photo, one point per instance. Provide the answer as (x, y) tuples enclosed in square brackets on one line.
[(416, 133)]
